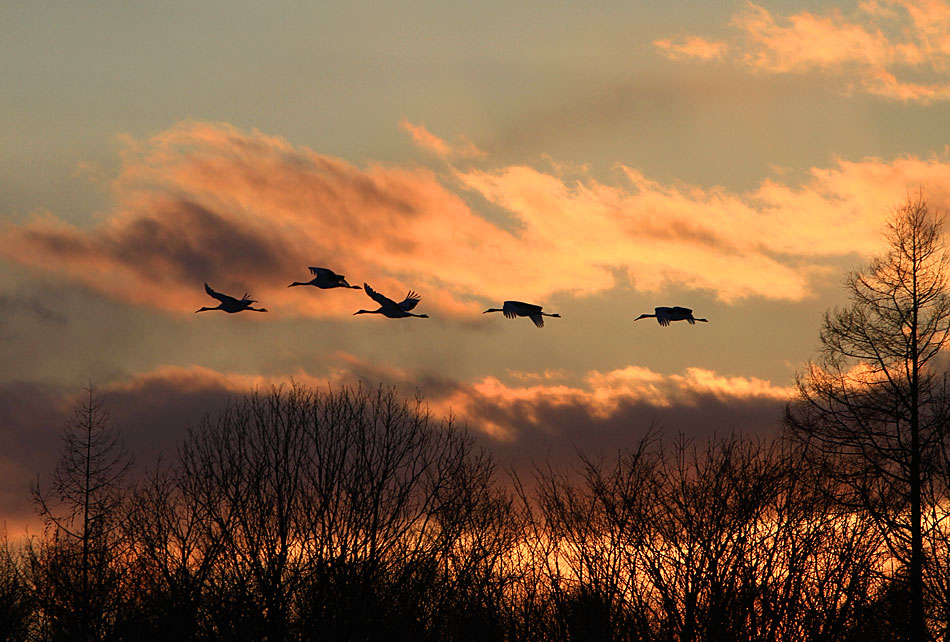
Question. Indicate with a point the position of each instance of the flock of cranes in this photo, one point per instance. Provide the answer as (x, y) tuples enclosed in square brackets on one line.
[(326, 279)]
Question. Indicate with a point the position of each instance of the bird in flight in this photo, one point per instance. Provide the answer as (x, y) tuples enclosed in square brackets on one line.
[(391, 309), (325, 279), (676, 313), (229, 303), (512, 309)]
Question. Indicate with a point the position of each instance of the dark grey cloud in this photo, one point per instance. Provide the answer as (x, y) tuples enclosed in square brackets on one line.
[(32, 417), (555, 433), (151, 419)]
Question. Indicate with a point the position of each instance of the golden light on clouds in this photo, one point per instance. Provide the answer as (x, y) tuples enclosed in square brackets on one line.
[(692, 47), (244, 211), (601, 395), (881, 47)]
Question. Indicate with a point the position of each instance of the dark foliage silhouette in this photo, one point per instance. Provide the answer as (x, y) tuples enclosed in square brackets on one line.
[(873, 409), (353, 514), (77, 580)]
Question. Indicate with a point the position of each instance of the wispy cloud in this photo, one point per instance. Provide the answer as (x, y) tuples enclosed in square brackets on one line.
[(463, 148), (248, 212), (692, 47), (882, 47)]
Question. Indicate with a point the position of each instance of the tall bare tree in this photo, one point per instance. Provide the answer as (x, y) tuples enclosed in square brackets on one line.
[(872, 407), (81, 509)]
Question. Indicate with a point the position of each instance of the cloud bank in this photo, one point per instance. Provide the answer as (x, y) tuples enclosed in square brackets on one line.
[(882, 48), (247, 212), (528, 421)]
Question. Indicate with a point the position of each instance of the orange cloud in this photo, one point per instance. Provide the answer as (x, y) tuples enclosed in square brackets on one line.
[(248, 212), (154, 412), (424, 138), (880, 46), (193, 378), (496, 408), (692, 47), (488, 405)]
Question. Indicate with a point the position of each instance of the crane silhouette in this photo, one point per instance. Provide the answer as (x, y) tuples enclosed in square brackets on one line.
[(391, 309), (512, 309), (229, 304), (325, 279), (665, 315)]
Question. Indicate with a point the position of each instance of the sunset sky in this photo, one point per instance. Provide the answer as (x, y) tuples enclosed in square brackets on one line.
[(598, 158)]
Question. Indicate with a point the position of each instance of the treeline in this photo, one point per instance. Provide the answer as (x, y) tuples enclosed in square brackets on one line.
[(355, 515)]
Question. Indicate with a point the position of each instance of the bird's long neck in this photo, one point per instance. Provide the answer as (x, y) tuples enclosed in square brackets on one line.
[(205, 309), (367, 312), (295, 283), (492, 310)]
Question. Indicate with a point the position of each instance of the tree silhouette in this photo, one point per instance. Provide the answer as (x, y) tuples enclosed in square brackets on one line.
[(295, 514), (872, 407), (73, 570), (16, 599)]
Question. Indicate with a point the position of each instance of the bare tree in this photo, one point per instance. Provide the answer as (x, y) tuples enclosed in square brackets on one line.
[(731, 540), (405, 525), (872, 407), (74, 570), (174, 547), (300, 514), (588, 531)]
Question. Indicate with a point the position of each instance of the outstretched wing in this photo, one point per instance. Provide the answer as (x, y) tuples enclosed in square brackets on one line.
[(538, 319), (410, 301), (512, 309), (679, 310), (324, 273), (223, 298), (377, 297)]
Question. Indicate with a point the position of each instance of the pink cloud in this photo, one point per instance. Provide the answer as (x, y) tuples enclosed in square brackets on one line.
[(248, 212), (876, 49)]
